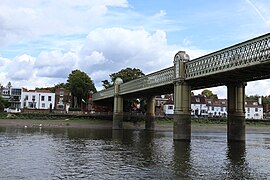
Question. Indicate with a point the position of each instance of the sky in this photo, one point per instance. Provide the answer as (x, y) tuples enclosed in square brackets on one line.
[(43, 41)]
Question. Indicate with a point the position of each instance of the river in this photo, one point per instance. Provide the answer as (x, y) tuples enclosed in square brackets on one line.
[(59, 153)]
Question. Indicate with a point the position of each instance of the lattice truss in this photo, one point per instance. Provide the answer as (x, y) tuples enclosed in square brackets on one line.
[(248, 53)]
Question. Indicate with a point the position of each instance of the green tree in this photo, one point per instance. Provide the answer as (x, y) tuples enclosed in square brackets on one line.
[(126, 75), (53, 89), (79, 84), (3, 104), (209, 94)]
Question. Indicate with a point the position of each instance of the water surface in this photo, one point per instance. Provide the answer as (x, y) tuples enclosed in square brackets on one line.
[(129, 154)]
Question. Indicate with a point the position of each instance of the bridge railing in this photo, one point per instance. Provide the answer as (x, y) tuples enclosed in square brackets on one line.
[(103, 94), (249, 52), (156, 79)]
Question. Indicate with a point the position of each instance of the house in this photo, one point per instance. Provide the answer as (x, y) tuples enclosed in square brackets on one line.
[(198, 106), (216, 107), (62, 99), (203, 107), (254, 109), (168, 108), (37, 99)]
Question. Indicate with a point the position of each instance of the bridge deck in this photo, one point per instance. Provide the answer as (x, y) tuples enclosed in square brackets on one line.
[(243, 62)]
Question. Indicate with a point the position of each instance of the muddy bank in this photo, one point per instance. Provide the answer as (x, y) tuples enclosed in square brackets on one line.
[(96, 124)]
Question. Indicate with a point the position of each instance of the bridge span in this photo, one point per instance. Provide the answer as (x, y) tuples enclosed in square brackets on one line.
[(232, 66)]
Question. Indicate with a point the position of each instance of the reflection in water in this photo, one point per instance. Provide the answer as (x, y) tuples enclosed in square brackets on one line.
[(182, 163), (237, 166), (44, 153)]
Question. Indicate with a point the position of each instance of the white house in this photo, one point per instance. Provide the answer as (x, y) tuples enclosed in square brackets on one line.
[(254, 109), (168, 107), (37, 99), (217, 107), (198, 106)]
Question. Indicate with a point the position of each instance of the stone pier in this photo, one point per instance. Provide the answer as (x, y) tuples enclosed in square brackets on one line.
[(150, 114), (236, 112), (182, 95), (118, 106)]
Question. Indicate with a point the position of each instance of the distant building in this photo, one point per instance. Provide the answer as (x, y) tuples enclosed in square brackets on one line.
[(168, 107), (37, 99), (198, 106), (204, 107), (254, 109), (216, 107), (62, 99)]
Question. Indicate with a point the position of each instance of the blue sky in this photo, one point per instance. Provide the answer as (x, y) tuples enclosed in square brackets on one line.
[(42, 41)]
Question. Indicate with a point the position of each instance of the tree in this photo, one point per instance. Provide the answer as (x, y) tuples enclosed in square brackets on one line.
[(53, 89), (3, 104), (209, 94), (79, 84), (126, 75)]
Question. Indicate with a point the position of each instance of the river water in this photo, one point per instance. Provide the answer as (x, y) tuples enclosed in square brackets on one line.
[(43, 153)]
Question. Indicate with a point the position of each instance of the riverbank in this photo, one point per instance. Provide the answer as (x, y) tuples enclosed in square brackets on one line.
[(106, 124)]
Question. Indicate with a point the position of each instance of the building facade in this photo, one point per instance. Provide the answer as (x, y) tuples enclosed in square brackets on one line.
[(37, 99), (254, 109), (62, 99), (217, 108)]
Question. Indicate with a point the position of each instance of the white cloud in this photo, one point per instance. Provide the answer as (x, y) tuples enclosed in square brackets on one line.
[(55, 64), (21, 68), (20, 20)]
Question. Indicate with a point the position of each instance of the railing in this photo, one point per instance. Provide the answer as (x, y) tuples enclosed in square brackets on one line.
[(107, 93), (250, 52), (159, 78), (247, 53)]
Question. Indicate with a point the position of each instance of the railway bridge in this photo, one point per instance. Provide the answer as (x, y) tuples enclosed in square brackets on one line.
[(233, 67)]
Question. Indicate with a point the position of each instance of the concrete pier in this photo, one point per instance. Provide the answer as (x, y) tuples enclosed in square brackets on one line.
[(118, 106), (182, 95), (236, 112), (150, 114)]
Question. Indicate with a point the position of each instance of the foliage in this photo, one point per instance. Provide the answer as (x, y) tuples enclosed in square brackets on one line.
[(209, 94), (79, 84), (3, 104), (53, 89), (126, 75)]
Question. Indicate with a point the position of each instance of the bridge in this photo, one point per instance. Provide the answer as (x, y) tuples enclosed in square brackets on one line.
[(232, 66)]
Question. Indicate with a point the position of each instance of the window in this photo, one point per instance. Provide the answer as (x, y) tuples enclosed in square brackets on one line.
[(43, 105), (42, 98), (31, 104), (33, 98), (49, 98), (197, 99), (221, 109), (61, 93), (256, 109), (170, 107), (213, 108), (248, 110), (26, 97)]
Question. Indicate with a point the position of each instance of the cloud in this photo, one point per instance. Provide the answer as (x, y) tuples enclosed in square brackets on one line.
[(21, 68), (55, 64), (21, 20), (112, 49)]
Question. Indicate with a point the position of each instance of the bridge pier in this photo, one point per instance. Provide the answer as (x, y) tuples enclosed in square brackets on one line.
[(236, 112), (118, 106), (150, 114), (182, 95)]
